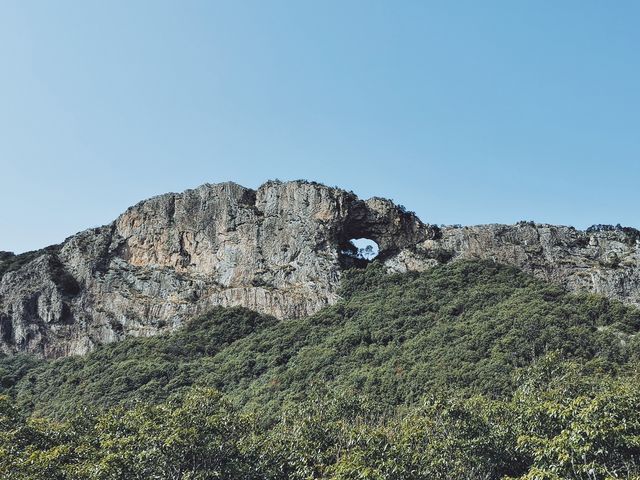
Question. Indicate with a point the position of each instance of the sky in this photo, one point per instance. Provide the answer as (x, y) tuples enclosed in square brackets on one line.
[(465, 112)]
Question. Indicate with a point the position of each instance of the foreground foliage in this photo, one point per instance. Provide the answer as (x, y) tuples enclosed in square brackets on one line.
[(562, 426)]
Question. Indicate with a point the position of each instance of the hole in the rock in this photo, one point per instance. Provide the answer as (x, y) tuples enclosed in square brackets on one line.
[(366, 249), (362, 249)]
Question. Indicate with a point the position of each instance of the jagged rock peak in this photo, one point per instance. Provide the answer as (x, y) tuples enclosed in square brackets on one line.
[(279, 250)]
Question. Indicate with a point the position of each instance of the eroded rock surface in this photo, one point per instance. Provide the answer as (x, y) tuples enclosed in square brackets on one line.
[(603, 262), (275, 250), (278, 250)]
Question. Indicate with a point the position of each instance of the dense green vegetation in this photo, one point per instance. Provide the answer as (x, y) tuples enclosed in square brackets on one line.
[(469, 370), (560, 423)]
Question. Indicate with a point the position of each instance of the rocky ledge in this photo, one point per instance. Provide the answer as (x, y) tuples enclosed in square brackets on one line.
[(279, 250)]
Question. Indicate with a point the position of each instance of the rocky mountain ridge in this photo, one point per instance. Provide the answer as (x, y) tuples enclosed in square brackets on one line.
[(279, 249)]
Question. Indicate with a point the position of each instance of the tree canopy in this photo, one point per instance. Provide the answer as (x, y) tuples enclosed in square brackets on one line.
[(468, 370)]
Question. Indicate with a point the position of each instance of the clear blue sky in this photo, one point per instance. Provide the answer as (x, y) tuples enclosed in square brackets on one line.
[(466, 112)]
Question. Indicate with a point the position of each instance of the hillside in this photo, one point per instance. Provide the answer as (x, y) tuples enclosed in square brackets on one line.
[(466, 328), (226, 332), (468, 370)]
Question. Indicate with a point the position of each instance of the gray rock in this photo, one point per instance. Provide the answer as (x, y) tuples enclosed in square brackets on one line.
[(278, 250), (275, 250)]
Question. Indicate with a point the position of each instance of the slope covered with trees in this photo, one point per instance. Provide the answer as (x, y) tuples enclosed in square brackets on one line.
[(468, 370)]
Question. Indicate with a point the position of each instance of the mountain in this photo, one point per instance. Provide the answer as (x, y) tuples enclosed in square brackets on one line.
[(467, 370), (467, 326), (280, 250), (233, 333)]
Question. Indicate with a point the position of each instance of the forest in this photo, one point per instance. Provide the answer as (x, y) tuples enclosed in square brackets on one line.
[(471, 370)]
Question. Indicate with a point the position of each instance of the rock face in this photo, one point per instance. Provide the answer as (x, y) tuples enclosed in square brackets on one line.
[(275, 250), (279, 250), (606, 262)]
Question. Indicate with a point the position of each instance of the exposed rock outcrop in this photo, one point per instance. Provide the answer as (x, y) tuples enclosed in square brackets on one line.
[(275, 250), (603, 262), (278, 250)]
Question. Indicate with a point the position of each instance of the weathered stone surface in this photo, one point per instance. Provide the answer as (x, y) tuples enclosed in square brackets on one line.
[(276, 249), (607, 263), (604, 262)]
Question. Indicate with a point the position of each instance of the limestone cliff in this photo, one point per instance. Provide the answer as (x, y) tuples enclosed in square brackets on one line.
[(279, 249), (606, 261), (275, 250)]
